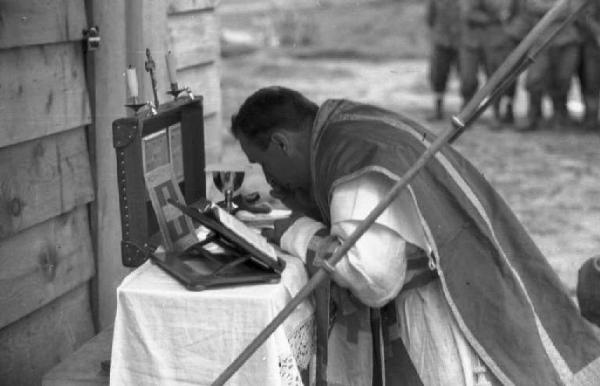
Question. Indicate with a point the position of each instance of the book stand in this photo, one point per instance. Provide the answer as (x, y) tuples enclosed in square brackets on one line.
[(234, 261)]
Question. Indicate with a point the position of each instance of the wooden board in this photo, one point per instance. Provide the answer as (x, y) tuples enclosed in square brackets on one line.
[(82, 367), (44, 262), (43, 178), (205, 81), (41, 340), (43, 91), (179, 6), (24, 23), (194, 38)]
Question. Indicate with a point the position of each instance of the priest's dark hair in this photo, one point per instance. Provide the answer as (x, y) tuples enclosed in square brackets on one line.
[(272, 108)]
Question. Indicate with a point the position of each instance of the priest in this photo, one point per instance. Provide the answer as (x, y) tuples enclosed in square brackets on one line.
[(445, 288)]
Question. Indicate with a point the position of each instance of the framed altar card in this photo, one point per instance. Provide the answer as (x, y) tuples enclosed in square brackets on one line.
[(176, 229), (176, 151)]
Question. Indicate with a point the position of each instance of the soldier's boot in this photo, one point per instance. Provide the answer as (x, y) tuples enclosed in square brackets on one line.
[(438, 109), (509, 115), (590, 119), (534, 112), (496, 122), (561, 118)]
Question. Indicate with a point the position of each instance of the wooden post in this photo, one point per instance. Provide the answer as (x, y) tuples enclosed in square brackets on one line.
[(147, 28), (109, 66), (127, 28)]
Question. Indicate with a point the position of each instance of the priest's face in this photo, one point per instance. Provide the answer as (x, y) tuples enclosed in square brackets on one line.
[(285, 169)]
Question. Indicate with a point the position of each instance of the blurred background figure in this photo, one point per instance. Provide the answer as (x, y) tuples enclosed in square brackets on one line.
[(442, 17), (486, 43), (588, 290), (589, 67), (552, 71)]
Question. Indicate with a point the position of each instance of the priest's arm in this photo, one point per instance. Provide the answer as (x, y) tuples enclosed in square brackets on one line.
[(374, 269)]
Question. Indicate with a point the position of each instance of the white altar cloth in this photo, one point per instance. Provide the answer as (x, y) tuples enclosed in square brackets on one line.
[(167, 335)]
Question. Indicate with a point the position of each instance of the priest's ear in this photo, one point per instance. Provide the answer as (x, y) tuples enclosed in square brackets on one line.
[(281, 139)]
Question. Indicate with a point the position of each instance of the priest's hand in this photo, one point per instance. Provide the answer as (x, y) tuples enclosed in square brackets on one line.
[(298, 200), (280, 227)]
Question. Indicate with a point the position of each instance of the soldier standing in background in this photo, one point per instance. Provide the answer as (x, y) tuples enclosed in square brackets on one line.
[(442, 18), (486, 43), (589, 69), (516, 27), (553, 69)]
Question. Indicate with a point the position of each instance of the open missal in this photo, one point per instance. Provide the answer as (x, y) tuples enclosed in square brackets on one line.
[(230, 254), (236, 226)]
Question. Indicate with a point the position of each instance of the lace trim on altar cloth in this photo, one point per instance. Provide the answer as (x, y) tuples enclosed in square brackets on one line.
[(302, 344), (290, 376)]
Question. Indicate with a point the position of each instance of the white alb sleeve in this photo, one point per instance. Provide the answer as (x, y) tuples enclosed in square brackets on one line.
[(375, 268), (297, 237)]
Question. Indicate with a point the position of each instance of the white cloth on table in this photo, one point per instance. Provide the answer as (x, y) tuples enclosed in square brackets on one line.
[(374, 272), (167, 335)]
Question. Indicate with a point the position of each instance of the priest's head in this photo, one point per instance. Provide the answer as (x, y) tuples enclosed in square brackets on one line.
[(273, 126)]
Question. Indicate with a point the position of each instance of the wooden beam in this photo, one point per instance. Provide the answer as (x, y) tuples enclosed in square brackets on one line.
[(181, 6), (41, 340), (43, 178), (44, 262), (110, 64), (194, 38), (32, 22), (147, 28), (43, 91)]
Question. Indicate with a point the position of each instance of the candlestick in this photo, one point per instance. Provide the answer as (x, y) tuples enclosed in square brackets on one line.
[(132, 83), (172, 69), (132, 88)]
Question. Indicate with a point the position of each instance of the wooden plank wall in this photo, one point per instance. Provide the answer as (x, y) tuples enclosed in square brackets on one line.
[(46, 255), (46, 258), (193, 30)]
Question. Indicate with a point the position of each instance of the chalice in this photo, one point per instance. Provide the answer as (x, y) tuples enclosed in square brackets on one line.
[(228, 180)]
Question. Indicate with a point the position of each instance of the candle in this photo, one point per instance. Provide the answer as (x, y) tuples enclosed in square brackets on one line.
[(172, 68), (132, 83)]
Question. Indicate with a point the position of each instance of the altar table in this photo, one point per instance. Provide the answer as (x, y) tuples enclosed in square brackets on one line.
[(167, 335)]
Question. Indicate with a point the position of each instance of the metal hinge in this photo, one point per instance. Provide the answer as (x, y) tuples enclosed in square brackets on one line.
[(91, 39)]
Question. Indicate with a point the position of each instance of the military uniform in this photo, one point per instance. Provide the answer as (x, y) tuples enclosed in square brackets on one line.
[(442, 18), (553, 69), (589, 75), (486, 43)]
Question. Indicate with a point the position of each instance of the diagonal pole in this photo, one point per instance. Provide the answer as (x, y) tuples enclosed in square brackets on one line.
[(468, 115)]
